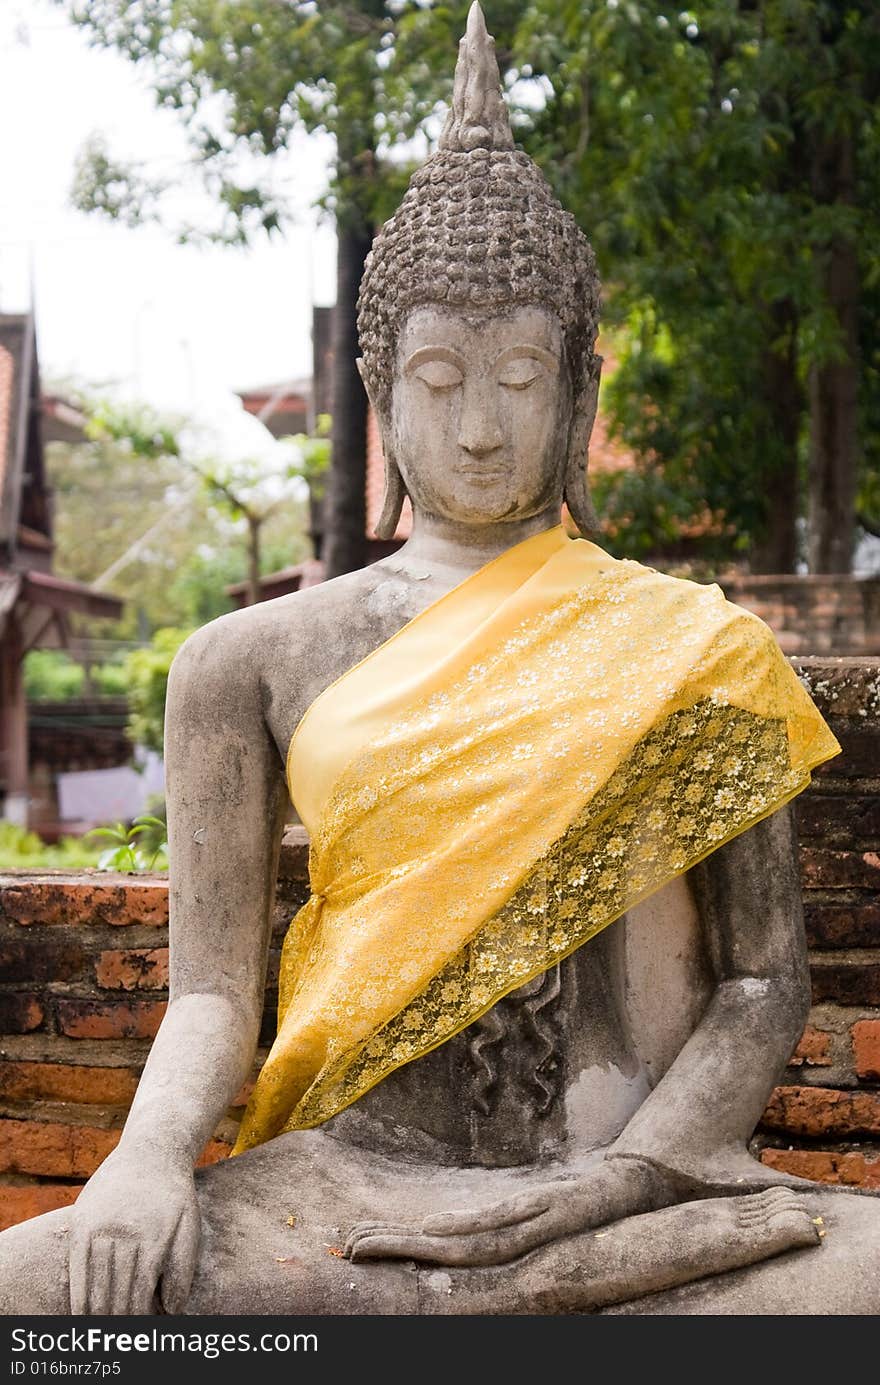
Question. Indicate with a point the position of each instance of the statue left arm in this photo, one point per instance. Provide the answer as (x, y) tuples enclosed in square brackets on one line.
[(688, 1138), (696, 1123)]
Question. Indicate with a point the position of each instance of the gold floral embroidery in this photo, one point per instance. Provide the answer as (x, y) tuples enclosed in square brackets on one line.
[(572, 888)]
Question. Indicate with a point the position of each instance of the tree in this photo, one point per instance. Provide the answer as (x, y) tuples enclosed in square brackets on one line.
[(318, 64), (725, 163), (244, 489)]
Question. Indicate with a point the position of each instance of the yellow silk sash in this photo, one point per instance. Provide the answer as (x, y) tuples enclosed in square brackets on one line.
[(552, 741)]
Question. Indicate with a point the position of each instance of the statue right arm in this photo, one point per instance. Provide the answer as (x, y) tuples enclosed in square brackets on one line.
[(136, 1222)]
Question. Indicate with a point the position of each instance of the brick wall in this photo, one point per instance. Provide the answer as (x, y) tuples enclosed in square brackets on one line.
[(84, 969), (813, 614)]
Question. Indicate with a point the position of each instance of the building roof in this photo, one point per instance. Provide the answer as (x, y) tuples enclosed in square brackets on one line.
[(25, 523)]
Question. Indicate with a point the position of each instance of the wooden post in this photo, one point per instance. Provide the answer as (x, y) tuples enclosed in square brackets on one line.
[(13, 725)]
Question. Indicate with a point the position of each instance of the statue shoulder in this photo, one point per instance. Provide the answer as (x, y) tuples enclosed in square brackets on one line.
[(257, 645)]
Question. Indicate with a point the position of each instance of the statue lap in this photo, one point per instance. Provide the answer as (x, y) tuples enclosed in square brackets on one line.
[(253, 1260)]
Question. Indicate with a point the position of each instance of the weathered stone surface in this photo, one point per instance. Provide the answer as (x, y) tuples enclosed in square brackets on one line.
[(860, 758), (30, 959)]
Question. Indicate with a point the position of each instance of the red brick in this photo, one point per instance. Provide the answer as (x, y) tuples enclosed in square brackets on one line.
[(88, 899), (27, 958), (866, 1048), (133, 969), (111, 1019), (17, 1204), (861, 752), (21, 1081), (842, 925), (839, 687), (850, 1168), (20, 1012), (824, 869), (822, 1112), (213, 1153), (812, 1049), (243, 1095), (847, 817), (847, 983), (60, 1151)]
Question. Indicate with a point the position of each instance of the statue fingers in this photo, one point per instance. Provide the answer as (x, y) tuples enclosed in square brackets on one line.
[(367, 1228), (99, 1284), (399, 1244), (180, 1263), (79, 1265), (123, 1265), (501, 1214)]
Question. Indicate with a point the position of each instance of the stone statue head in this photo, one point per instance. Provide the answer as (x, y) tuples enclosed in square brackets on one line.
[(478, 318)]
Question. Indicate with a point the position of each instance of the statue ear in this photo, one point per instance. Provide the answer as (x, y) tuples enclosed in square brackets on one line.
[(395, 490), (576, 491)]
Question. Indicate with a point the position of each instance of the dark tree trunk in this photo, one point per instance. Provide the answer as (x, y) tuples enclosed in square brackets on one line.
[(253, 581), (776, 550), (834, 385), (345, 511)]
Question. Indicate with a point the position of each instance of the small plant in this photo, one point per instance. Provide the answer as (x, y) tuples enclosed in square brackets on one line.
[(129, 851)]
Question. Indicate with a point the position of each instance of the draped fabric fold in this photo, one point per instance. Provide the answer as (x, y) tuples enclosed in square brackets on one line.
[(548, 744)]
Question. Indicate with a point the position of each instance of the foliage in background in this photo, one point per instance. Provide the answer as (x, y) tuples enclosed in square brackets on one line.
[(179, 577), (146, 672), (142, 846), (314, 452), (22, 850), (51, 675), (245, 490), (724, 159), (136, 850), (692, 147)]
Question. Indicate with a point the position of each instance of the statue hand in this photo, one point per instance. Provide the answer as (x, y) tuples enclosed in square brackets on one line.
[(135, 1222), (505, 1230)]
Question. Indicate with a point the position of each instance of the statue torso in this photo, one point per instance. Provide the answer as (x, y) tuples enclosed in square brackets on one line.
[(560, 1065)]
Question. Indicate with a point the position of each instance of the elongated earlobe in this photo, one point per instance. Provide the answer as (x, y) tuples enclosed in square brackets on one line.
[(392, 503), (576, 491), (395, 490)]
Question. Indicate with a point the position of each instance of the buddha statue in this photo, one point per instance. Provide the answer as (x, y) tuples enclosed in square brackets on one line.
[(553, 961)]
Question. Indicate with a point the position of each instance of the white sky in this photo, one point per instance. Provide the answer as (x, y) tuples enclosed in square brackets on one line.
[(180, 327)]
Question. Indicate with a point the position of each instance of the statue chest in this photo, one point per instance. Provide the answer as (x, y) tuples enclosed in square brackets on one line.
[(559, 1066)]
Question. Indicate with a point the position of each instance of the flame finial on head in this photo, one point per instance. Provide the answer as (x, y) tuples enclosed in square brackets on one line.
[(478, 118)]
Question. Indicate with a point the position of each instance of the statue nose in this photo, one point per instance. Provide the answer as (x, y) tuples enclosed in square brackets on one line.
[(480, 436)]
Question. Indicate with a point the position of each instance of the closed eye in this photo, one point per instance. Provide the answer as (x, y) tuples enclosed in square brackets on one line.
[(518, 375), (439, 375)]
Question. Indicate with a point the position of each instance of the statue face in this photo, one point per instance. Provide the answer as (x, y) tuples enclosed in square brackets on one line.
[(481, 411)]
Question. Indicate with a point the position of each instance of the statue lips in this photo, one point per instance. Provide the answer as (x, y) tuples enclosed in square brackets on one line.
[(483, 473)]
